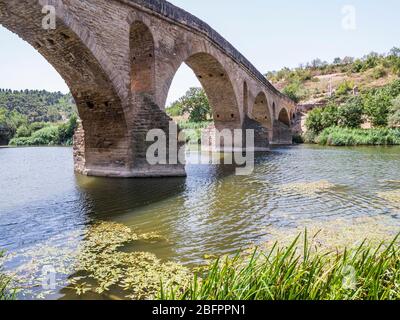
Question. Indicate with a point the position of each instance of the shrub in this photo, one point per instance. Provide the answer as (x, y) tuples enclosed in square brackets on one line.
[(61, 134), (394, 118), (379, 72), (23, 131), (350, 114), (314, 121), (345, 87), (295, 91), (336, 136), (175, 110)]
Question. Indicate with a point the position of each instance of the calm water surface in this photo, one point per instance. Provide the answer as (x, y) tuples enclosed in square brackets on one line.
[(212, 211)]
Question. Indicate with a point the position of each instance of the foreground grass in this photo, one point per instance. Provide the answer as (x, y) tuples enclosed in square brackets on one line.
[(336, 136), (5, 292), (367, 272)]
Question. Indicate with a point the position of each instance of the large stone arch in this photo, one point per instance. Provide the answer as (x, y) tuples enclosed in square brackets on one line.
[(103, 135), (261, 111)]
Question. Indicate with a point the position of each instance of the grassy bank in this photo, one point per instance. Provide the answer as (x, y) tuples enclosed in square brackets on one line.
[(367, 272), (336, 136)]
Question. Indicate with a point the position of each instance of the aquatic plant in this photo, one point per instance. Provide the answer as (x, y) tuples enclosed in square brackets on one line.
[(94, 262), (393, 197), (307, 188), (283, 273)]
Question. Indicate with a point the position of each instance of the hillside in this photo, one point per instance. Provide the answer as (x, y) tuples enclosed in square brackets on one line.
[(28, 112), (318, 84), (318, 81), (38, 105)]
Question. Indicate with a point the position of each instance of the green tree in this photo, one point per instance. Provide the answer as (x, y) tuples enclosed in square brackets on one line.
[(394, 117), (195, 103), (314, 122), (350, 115), (295, 91)]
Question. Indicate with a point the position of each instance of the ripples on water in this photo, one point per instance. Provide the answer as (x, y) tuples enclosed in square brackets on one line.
[(212, 211)]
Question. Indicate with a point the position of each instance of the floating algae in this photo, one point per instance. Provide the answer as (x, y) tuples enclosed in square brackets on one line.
[(336, 234), (393, 197), (307, 188), (95, 265)]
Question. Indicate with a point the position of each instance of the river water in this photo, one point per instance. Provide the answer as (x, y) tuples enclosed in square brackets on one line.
[(212, 211)]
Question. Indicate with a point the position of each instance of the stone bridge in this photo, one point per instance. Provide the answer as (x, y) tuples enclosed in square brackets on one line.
[(119, 58)]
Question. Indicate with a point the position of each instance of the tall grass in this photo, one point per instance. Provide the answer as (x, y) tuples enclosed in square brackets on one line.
[(336, 136), (5, 292), (287, 274)]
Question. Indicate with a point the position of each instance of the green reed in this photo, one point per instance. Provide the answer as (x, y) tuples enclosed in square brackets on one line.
[(5, 292), (299, 272)]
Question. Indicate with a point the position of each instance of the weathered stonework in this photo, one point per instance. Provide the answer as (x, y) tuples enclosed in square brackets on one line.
[(119, 58)]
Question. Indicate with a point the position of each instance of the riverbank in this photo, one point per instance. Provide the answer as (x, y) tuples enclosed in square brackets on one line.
[(336, 136), (339, 259), (285, 273)]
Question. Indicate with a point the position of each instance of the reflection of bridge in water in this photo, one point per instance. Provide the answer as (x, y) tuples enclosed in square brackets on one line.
[(119, 58)]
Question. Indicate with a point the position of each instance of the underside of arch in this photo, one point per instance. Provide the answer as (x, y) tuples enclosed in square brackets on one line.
[(218, 87), (260, 112), (284, 117)]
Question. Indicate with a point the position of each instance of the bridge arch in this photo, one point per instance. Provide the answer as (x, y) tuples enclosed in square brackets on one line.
[(261, 112), (217, 85), (284, 117), (69, 49)]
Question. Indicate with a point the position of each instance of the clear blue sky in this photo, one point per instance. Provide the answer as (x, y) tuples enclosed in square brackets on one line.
[(271, 34)]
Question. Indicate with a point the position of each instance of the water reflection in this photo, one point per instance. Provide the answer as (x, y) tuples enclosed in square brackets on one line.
[(212, 211)]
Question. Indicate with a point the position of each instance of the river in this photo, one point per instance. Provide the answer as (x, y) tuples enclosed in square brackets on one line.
[(212, 211)]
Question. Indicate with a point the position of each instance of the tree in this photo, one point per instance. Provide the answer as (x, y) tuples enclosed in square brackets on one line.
[(350, 115), (314, 121), (394, 117), (337, 61), (295, 91), (195, 103), (377, 104)]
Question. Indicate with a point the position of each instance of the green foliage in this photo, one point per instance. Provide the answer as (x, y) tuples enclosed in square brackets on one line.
[(295, 91), (6, 293), (298, 273), (314, 121), (38, 105), (350, 114), (23, 131), (345, 87), (195, 103), (193, 130), (175, 110), (336, 136), (394, 118), (379, 72), (54, 134), (9, 123), (378, 102)]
